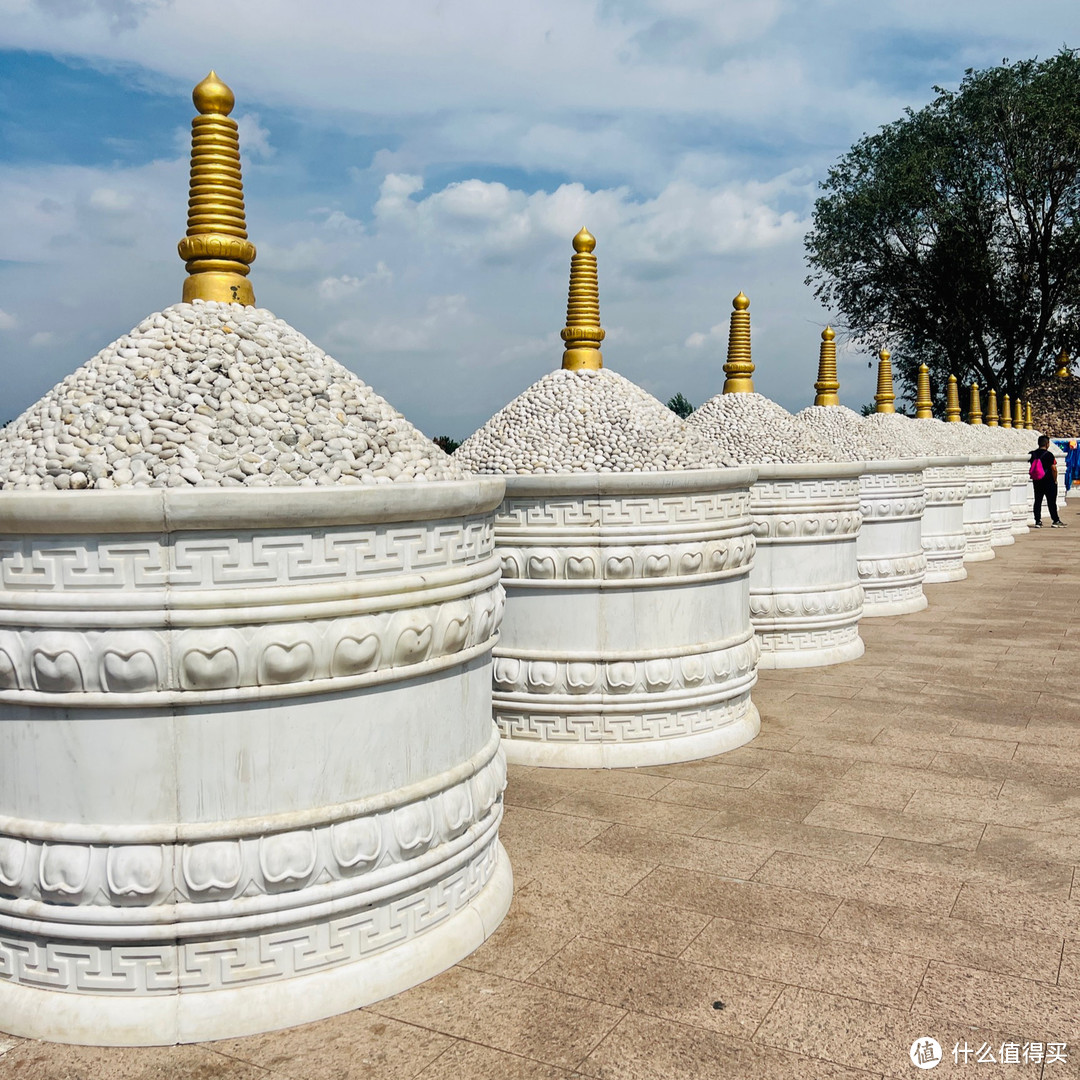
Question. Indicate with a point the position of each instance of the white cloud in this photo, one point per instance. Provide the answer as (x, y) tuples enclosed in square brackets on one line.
[(254, 138), (42, 338), (7, 320), (334, 289)]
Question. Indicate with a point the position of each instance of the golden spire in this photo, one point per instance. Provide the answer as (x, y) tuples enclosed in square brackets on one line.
[(991, 408), (739, 368), (974, 405), (583, 332), (1006, 413), (827, 383), (924, 404), (1063, 365), (1029, 420), (885, 397), (1018, 413), (216, 249), (952, 401)]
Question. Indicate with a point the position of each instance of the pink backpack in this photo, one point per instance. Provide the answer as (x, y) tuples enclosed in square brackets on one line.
[(1036, 470)]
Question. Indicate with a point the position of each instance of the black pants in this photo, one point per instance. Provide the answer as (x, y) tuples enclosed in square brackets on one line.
[(1046, 487)]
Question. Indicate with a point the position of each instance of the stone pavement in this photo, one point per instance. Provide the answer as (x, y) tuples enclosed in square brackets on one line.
[(893, 857)]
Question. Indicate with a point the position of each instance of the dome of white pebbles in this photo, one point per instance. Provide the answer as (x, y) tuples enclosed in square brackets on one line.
[(586, 421), (213, 394), (850, 436), (751, 429)]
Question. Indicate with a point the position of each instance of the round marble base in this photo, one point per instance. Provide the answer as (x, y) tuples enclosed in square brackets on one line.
[(126, 1020), (979, 556), (941, 577)]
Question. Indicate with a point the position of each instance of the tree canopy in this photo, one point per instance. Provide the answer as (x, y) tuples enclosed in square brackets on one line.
[(952, 235), (680, 405)]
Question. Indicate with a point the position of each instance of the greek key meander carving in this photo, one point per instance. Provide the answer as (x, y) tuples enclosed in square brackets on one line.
[(237, 960), (291, 861), (842, 491), (623, 563), (593, 678), (624, 511), (364, 647), (516, 722), (247, 560), (902, 483), (893, 593), (808, 640)]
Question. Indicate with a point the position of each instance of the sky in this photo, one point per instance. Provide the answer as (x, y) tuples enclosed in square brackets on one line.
[(414, 172)]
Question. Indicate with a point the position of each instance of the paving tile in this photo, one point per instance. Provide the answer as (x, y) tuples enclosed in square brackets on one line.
[(527, 790), (1017, 768), (874, 1037), (536, 828), (1036, 1011), (874, 884), (772, 834), (645, 813), (1022, 908), (589, 869), (1042, 875), (941, 937), (625, 920), (946, 744), (636, 783), (358, 1043), (643, 982), (653, 848), (1003, 841), (856, 751), (928, 779), (1069, 974), (747, 800), (769, 905), (1061, 817), (817, 788), (648, 1048), (895, 824), (803, 960), (799, 764), (710, 771), (33, 1060), (475, 1062), (512, 1016)]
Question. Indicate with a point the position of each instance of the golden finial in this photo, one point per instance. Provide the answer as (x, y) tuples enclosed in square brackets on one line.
[(952, 401), (1018, 413), (1006, 411), (216, 249), (1063, 365), (827, 383), (924, 404), (974, 405), (991, 408), (885, 397), (1029, 420), (739, 368), (583, 332)]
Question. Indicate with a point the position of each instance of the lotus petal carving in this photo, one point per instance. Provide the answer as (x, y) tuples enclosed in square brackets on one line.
[(281, 663), (541, 567), (457, 809), (456, 634), (129, 673), (659, 673), (355, 655), (580, 567), (12, 860), (506, 672), (413, 644), (621, 675), (414, 826), (288, 856), (357, 843), (9, 677), (217, 864), (57, 672), (134, 869), (657, 565), (210, 669), (64, 868), (543, 674), (619, 566), (693, 669), (580, 676)]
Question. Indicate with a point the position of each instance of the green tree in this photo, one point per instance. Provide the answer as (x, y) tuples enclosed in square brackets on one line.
[(446, 444), (952, 235), (680, 406)]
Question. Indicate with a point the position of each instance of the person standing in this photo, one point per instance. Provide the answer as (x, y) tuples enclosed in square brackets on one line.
[(1043, 473)]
